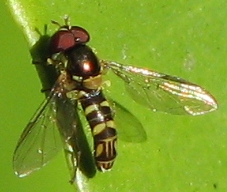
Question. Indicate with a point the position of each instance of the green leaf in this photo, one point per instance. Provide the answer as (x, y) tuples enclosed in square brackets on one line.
[(187, 39)]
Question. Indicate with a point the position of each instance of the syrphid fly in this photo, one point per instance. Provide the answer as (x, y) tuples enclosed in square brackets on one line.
[(80, 84)]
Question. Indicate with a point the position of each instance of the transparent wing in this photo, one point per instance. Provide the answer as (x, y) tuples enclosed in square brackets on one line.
[(128, 125), (76, 147), (40, 140), (67, 120), (161, 92)]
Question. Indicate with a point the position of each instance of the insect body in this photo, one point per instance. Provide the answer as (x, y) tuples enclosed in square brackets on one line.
[(80, 81), (84, 70)]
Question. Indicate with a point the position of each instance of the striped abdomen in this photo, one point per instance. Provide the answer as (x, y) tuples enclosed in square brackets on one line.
[(100, 118)]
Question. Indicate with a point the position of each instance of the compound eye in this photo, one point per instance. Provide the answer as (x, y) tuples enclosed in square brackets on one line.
[(66, 38), (80, 34), (61, 41)]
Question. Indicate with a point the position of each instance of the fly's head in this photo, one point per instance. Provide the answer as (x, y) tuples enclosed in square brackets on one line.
[(67, 37)]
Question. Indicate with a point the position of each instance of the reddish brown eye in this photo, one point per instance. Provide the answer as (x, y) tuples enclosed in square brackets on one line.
[(65, 38), (80, 34), (61, 41)]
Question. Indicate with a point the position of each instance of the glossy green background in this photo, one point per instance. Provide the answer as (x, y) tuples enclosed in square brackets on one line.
[(184, 38)]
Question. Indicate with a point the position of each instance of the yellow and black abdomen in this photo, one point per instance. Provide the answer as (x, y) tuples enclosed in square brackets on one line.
[(100, 118)]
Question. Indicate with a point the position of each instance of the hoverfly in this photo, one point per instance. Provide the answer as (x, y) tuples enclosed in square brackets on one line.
[(80, 83)]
